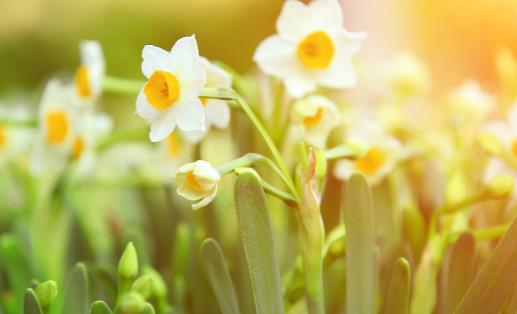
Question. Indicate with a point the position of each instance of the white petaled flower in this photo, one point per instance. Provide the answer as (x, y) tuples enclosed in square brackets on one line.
[(56, 127), (89, 129), (315, 117), (170, 96), (197, 181), (380, 153), (89, 75), (217, 112), (407, 75), (174, 152), (468, 103), (14, 140), (311, 48)]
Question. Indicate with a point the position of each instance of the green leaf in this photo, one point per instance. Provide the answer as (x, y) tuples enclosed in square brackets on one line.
[(15, 264), (30, 303), (100, 307), (397, 299), (259, 247), (496, 279), (360, 256), (458, 270), (76, 293), (219, 277)]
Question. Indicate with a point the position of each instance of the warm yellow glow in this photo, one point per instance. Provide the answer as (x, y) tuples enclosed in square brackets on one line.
[(173, 144), (316, 50), (78, 148), (313, 120), (82, 82), (514, 149), (162, 89), (191, 182), (371, 162), (57, 127), (3, 137)]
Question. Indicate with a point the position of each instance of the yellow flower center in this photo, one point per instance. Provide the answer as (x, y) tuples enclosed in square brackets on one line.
[(57, 127), (82, 82), (173, 145), (313, 120), (191, 182), (77, 148), (162, 89), (316, 50), (371, 162), (3, 137)]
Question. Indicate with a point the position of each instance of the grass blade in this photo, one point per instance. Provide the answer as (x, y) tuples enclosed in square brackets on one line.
[(397, 300), (100, 307), (360, 255), (257, 240), (219, 277), (30, 303), (76, 294), (496, 279)]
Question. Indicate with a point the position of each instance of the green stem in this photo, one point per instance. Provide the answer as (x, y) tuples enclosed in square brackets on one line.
[(341, 151), (119, 85), (18, 123), (490, 233), (229, 95)]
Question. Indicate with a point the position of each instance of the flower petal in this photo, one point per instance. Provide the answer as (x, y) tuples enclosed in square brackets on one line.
[(206, 200), (190, 115), (162, 127), (155, 58), (144, 109), (292, 21), (187, 63), (328, 12), (299, 85), (275, 56), (217, 113), (340, 74)]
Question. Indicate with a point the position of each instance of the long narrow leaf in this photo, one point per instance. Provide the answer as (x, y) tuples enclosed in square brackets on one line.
[(397, 300), (30, 303), (360, 256), (259, 247), (219, 277), (496, 280), (100, 307), (76, 294)]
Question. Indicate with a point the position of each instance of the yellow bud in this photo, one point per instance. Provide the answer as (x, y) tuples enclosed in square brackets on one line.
[(490, 143), (499, 186)]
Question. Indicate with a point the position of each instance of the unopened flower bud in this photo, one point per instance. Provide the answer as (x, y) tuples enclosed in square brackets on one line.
[(46, 292), (128, 264), (499, 186), (143, 285)]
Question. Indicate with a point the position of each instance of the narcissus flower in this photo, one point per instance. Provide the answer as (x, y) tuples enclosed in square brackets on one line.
[(89, 75), (311, 48), (14, 140), (217, 112), (197, 181), (381, 152), (56, 127), (171, 95), (468, 103), (315, 116), (407, 75)]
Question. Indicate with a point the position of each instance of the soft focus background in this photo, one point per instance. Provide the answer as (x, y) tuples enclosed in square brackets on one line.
[(458, 39)]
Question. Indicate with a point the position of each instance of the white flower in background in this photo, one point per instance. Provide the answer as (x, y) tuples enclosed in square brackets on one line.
[(381, 152), (15, 140), (315, 117), (56, 127), (197, 181), (311, 48), (407, 75), (89, 75), (217, 112), (89, 129), (174, 152), (170, 97), (468, 103)]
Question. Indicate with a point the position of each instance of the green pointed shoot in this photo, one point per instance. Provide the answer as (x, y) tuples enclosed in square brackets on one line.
[(360, 254), (259, 247), (495, 281), (15, 264), (128, 263), (100, 307), (30, 303), (46, 292), (76, 292), (219, 277), (458, 271), (397, 299)]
